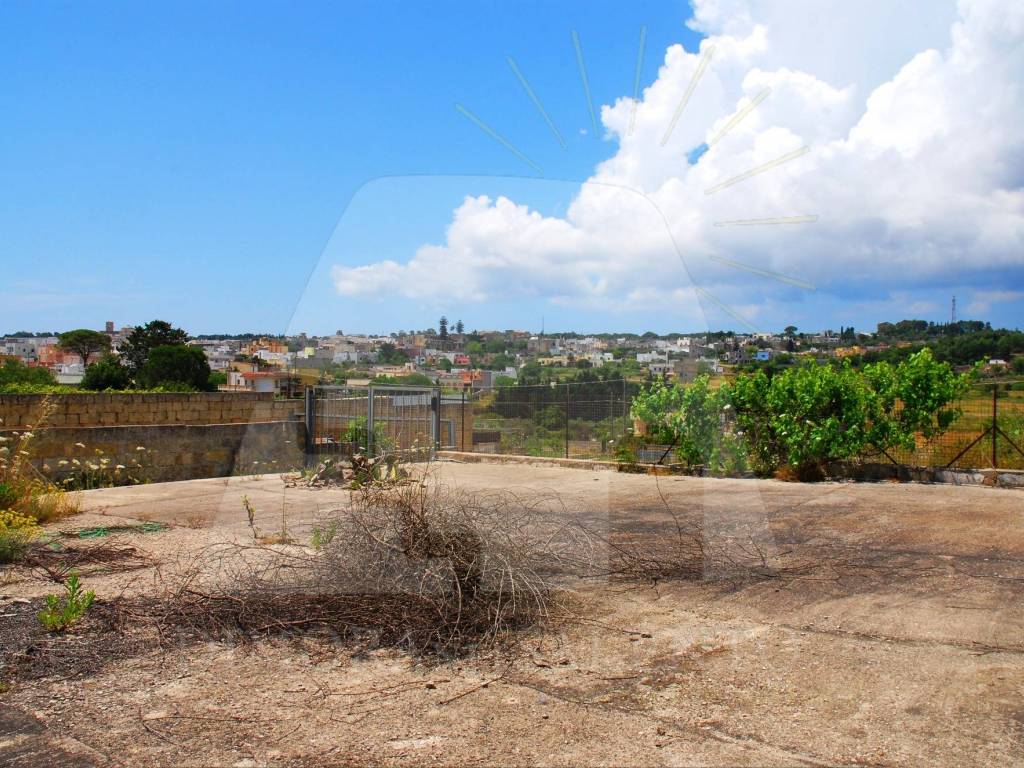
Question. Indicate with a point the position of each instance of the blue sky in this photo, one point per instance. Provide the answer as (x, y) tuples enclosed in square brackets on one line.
[(196, 162)]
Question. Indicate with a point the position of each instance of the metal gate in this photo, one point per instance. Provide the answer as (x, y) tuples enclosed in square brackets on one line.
[(376, 420)]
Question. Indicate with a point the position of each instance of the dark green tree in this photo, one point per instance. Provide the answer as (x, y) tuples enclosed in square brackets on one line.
[(389, 354), (171, 365), (142, 340), (84, 343), (459, 327), (106, 373), (442, 328)]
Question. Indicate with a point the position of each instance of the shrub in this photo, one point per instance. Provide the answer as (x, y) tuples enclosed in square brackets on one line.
[(16, 533), (358, 434), (16, 377), (805, 417)]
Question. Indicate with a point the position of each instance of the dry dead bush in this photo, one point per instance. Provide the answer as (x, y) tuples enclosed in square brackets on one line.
[(483, 564), (197, 521), (418, 565)]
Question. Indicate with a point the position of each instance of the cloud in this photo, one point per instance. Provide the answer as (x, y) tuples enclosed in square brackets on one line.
[(915, 170), (982, 301)]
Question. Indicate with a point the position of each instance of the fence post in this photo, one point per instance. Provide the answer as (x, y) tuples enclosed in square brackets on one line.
[(995, 430), (310, 419), (369, 422), (435, 403), (567, 421), (625, 412), (462, 443)]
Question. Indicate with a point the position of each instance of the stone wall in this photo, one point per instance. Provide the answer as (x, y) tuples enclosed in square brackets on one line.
[(111, 410), (168, 451)]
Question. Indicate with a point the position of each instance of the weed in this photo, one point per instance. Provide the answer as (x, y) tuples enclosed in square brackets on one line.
[(17, 531), (323, 536), (281, 537), (196, 521), (23, 488), (60, 613)]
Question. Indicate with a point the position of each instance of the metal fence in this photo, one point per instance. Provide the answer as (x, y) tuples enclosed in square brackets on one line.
[(988, 432), (590, 420), (578, 420), (375, 419)]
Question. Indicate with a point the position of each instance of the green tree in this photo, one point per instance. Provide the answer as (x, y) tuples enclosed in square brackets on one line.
[(172, 365), (459, 327), (442, 328), (106, 373), (389, 354), (142, 340), (84, 343)]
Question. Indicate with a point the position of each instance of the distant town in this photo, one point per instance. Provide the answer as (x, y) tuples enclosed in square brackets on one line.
[(449, 356)]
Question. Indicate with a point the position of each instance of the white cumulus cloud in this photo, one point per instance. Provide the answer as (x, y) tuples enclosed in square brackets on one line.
[(915, 170)]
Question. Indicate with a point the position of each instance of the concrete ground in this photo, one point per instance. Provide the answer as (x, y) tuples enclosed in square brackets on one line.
[(894, 636)]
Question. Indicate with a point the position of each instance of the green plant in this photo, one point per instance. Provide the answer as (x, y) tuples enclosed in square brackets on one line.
[(100, 471), (17, 531), (357, 433), (690, 418), (106, 373), (806, 416), (15, 377), (322, 536), (175, 365), (60, 613), (23, 488)]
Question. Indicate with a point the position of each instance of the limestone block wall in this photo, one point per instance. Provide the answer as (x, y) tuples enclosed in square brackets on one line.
[(111, 410), (181, 436), (163, 452)]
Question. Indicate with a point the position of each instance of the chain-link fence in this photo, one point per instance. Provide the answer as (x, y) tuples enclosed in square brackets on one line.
[(988, 432), (591, 420), (576, 420)]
